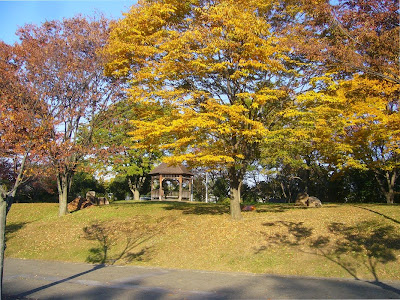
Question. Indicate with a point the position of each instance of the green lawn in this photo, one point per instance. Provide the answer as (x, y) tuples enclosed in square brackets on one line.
[(360, 241)]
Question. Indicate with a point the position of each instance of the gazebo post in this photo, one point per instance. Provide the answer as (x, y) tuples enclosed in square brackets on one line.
[(180, 188), (160, 192), (191, 188), (151, 188)]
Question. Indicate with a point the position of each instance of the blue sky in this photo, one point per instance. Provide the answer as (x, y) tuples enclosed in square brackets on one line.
[(14, 14)]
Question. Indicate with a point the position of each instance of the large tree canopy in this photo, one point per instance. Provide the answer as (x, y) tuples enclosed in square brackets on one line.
[(349, 36), (24, 129), (212, 79), (62, 61), (354, 104)]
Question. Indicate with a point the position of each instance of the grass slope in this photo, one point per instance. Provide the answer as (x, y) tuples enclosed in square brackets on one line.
[(359, 241)]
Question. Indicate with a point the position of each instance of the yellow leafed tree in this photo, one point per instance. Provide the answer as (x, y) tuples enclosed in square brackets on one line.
[(357, 125), (353, 108), (211, 79)]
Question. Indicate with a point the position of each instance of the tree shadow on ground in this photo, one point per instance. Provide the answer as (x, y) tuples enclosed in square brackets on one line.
[(296, 234), (194, 208), (220, 209), (197, 208), (25, 294), (274, 208), (178, 284), (378, 213), (123, 242), (201, 208), (367, 244), (13, 228)]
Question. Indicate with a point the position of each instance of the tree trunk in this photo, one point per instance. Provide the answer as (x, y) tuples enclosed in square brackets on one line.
[(5, 205), (236, 213), (391, 181), (240, 192), (235, 183), (390, 197), (284, 193), (6, 200), (134, 189), (136, 195), (387, 191), (63, 186), (3, 215)]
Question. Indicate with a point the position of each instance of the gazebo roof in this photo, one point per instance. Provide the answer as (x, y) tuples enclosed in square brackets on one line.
[(165, 169)]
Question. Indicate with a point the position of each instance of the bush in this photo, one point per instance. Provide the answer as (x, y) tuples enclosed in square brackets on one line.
[(224, 201), (84, 182)]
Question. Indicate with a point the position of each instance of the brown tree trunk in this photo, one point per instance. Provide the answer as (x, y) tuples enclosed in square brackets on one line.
[(284, 193), (63, 183), (136, 195), (134, 190), (3, 216), (6, 200), (240, 192), (235, 184), (390, 181), (236, 213), (390, 197)]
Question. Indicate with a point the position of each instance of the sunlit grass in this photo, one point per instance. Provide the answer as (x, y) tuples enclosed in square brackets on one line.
[(359, 241)]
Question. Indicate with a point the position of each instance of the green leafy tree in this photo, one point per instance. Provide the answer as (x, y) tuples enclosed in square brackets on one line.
[(116, 156), (84, 182)]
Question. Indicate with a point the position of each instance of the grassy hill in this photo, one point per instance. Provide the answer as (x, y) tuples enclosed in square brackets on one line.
[(359, 241)]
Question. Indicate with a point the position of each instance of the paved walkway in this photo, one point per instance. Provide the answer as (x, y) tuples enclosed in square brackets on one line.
[(30, 279)]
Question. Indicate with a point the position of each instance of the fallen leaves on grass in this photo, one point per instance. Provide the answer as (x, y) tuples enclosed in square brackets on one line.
[(279, 239), (120, 241)]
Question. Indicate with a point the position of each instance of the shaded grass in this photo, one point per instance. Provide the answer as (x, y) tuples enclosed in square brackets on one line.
[(334, 241)]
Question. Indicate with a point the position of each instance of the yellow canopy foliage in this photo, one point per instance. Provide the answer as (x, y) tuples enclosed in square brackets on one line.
[(357, 123), (210, 77), (210, 67)]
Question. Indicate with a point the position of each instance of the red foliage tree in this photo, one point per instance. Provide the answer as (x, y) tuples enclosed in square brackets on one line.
[(63, 62), (23, 132), (354, 36)]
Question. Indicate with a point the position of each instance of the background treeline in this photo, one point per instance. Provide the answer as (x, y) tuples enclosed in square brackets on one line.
[(355, 186)]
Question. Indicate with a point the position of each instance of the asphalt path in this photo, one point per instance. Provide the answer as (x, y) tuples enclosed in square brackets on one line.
[(32, 279)]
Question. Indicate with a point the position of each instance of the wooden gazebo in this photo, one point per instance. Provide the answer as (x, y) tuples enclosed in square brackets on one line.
[(163, 178)]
